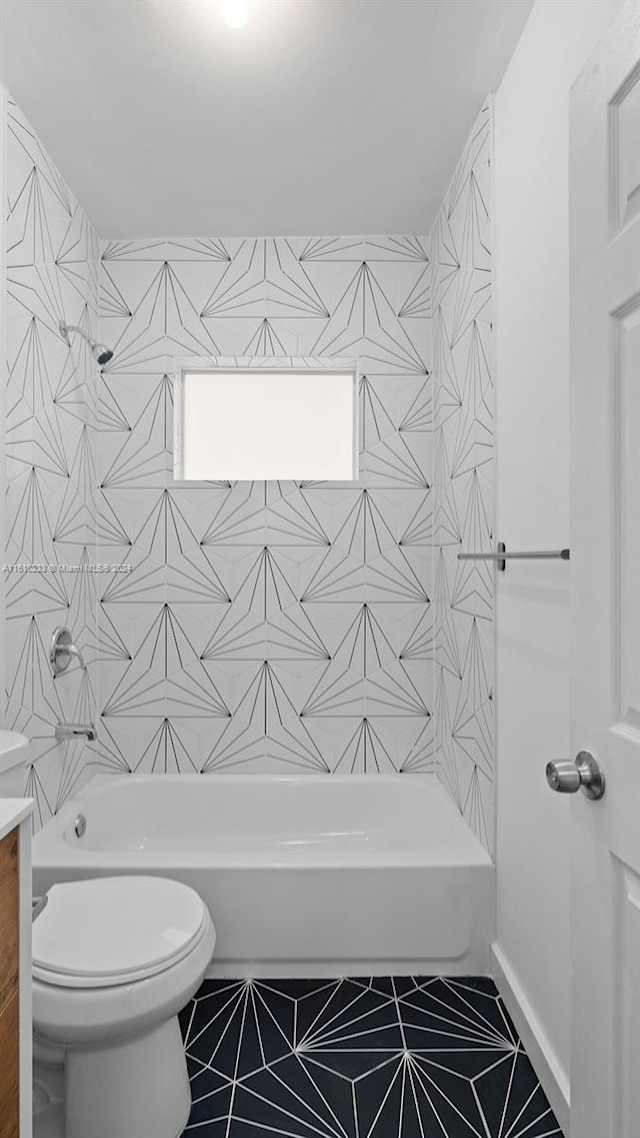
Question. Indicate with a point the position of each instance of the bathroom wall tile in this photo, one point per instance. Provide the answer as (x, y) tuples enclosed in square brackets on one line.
[(56, 769), (18, 602), (395, 463), (311, 250), (335, 579), (292, 522), (39, 365), (327, 271), (403, 744), (41, 204), (419, 748), (205, 249), (369, 749), (139, 401), (463, 505), (233, 518), (34, 503), (274, 336), (136, 695), (395, 695), (414, 635), (129, 274), (113, 749), (398, 248), (234, 334), (402, 283), (50, 466), (264, 626), (415, 405), (268, 582), (337, 693), (264, 721), (149, 745)]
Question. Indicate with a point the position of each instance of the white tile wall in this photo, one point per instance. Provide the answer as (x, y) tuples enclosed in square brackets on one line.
[(52, 261), (264, 626), (463, 484)]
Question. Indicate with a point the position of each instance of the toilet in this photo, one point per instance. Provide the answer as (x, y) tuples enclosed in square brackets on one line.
[(114, 961)]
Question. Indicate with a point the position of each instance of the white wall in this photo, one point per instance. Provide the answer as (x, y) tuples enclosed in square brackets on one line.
[(532, 599)]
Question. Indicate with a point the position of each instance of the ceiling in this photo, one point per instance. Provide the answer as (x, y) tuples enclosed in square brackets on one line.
[(317, 117)]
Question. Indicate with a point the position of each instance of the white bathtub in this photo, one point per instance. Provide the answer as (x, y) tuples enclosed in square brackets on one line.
[(304, 876)]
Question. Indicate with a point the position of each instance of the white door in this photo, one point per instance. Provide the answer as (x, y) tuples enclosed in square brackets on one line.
[(605, 581)]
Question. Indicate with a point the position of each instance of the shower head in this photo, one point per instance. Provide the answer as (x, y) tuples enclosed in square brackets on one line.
[(98, 351), (102, 354)]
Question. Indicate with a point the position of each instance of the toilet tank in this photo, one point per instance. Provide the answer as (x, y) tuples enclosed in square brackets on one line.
[(14, 756)]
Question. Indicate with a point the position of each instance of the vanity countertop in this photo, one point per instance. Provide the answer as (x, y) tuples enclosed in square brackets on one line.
[(13, 811)]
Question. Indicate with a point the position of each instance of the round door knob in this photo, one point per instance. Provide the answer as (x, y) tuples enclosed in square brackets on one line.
[(585, 774), (563, 776)]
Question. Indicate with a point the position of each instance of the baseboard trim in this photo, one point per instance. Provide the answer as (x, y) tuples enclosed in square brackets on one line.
[(553, 1078)]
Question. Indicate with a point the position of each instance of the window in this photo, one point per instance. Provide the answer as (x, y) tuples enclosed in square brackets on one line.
[(258, 424)]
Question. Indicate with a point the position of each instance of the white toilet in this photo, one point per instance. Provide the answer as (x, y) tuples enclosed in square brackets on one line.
[(114, 960)]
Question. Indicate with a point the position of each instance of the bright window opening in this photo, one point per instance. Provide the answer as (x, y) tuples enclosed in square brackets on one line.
[(261, 425)]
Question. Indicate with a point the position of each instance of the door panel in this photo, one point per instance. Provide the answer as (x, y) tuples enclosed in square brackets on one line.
[(627, 1013), (625, 368), (605, 581), (624, 133)]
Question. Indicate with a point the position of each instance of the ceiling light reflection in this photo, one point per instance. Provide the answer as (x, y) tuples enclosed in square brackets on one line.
[(235, 12)]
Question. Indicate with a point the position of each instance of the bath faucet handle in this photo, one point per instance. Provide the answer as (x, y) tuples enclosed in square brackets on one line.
[(62, 651), (73, 651)]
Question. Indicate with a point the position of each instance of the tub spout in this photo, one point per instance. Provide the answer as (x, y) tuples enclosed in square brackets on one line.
[(76, 731)]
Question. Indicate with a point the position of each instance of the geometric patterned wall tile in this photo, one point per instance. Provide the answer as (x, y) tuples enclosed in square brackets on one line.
[(279, 603), (50, 476), (259, 626), (463, 507)]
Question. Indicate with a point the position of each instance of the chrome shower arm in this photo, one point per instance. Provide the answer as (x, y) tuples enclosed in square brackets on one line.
[(100, 353), (65, 329)]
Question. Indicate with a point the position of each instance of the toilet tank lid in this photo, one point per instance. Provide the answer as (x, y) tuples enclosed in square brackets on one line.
[(14, 749)]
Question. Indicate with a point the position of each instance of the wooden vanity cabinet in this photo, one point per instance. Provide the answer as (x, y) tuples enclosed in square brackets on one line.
[(9, 986)]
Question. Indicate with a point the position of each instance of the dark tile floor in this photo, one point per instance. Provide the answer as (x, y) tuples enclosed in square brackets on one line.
[(393, 1057)]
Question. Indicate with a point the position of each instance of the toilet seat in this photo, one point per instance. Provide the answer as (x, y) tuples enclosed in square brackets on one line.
[(110, 931)]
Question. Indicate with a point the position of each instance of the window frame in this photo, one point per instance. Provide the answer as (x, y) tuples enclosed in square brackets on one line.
[(266, 366)]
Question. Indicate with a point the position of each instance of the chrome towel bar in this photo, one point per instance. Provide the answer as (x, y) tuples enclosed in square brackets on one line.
[(501, 556)]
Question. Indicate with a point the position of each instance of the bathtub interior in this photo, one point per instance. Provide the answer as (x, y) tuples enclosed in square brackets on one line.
[(289, 817)]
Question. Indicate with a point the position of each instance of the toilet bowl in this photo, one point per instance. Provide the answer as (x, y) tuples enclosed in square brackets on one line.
[(114, 961)]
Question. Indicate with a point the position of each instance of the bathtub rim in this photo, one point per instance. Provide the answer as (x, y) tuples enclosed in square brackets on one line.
[(51, 847)]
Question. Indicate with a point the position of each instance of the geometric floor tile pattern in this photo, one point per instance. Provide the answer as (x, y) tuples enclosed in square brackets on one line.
[(390, 1057)]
